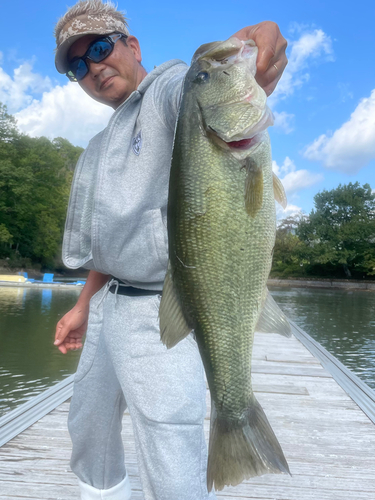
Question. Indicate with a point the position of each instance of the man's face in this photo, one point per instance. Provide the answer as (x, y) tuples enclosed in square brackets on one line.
[(112, 80)]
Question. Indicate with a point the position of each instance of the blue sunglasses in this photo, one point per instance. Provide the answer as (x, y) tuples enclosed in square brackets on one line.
[(98, 50)]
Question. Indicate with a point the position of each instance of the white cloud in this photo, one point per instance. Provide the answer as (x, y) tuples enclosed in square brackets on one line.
[(41, 109), (350, 147), (284, 121), (16, 91), (65, 111), (294, 180), (310, 46), (345, 92), (289, 211), (300, 179), (295, 27)]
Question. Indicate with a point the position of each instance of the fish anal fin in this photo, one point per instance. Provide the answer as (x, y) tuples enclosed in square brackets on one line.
[(279, 191), (272, 319), (253, 188), (173, 325)]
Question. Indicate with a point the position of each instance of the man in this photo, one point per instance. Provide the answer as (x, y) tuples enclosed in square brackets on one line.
[(116, 226)]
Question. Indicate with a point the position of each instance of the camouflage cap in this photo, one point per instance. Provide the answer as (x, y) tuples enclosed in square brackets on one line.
[(89, 17)]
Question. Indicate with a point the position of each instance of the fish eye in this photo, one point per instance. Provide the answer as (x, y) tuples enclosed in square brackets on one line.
[(202, 77)]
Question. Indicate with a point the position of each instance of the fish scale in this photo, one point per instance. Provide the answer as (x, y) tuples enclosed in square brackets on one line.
[(212, 245), (221, 230)]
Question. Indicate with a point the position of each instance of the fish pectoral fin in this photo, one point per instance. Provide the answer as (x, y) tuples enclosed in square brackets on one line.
[(272, 319), (173, 326), (253, 188), (279, 191)]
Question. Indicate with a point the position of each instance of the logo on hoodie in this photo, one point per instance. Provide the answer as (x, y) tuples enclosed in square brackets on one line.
[(137, 143)]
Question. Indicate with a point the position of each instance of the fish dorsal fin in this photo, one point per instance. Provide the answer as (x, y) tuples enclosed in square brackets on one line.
[(173, 326), (279, 191), (253, 188), (272, 319)]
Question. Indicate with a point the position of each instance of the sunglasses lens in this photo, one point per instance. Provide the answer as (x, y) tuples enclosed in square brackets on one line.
[(78, 68), (71, 77), (99, 51), (82, 70)]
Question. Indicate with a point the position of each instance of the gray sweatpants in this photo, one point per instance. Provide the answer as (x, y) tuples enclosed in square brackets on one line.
[(124, 364)]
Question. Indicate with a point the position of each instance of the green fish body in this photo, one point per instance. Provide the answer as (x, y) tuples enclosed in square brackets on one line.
[(221, 229)]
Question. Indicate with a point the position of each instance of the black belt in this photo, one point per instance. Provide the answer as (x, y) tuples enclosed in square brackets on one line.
[(123, 289)]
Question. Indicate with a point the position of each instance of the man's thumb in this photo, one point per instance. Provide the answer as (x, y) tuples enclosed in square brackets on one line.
[(61, 332)]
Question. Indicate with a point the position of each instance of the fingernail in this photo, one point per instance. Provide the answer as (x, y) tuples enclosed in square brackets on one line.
[(57, 342)]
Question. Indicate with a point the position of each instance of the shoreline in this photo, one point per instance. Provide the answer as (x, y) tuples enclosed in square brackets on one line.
[(368, 286), (28, 284)]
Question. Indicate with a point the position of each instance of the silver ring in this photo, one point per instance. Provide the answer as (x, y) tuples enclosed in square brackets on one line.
[(276, 68)]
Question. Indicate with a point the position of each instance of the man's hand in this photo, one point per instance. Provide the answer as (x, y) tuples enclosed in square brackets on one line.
[(271, 59), (71, 328)]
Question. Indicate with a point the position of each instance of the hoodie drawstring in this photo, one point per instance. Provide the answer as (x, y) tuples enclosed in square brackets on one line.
[(109, 284)]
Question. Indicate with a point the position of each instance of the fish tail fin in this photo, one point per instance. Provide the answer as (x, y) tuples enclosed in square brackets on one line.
[(240, 450)]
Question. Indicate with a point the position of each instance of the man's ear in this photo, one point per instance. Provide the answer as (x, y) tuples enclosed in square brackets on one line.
[(133, 44)]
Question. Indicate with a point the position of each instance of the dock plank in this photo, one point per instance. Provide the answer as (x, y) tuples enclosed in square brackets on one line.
[(327, 440)]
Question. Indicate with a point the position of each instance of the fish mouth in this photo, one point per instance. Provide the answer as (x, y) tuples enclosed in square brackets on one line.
[(238, 122), (244, 144), (266, 120), (244, 140), (239, 149)]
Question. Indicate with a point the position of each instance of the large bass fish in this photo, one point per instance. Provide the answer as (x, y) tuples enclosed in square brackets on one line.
[(221, 229)]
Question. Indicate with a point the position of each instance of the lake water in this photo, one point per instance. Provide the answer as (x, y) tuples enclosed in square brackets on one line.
[(29, 362), (342, 321)]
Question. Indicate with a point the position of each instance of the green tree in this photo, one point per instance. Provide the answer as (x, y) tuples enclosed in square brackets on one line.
[(340, 231), (8, 154), (289, 252), (41, 212), (8, 126), (35, 178), (68, 152)]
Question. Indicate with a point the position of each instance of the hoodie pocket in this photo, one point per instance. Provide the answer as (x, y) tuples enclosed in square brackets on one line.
[(93, 333)]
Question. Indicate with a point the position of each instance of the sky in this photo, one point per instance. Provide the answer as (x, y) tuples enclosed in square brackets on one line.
[(324, 105)]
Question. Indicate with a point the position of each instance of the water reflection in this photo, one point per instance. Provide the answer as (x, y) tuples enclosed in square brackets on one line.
[(29, 362), (46, 299), (12, 297), (342, 321)]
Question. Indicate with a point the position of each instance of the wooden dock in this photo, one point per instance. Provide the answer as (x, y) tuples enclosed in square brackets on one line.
[(328, 440)]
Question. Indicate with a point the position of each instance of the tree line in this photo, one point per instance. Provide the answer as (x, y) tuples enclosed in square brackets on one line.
[(337, 239), (35, 178)]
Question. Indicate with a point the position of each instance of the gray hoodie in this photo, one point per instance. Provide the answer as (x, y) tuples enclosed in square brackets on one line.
[(116, 221)]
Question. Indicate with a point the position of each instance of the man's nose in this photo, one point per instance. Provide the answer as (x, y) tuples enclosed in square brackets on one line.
[(95, 68)]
